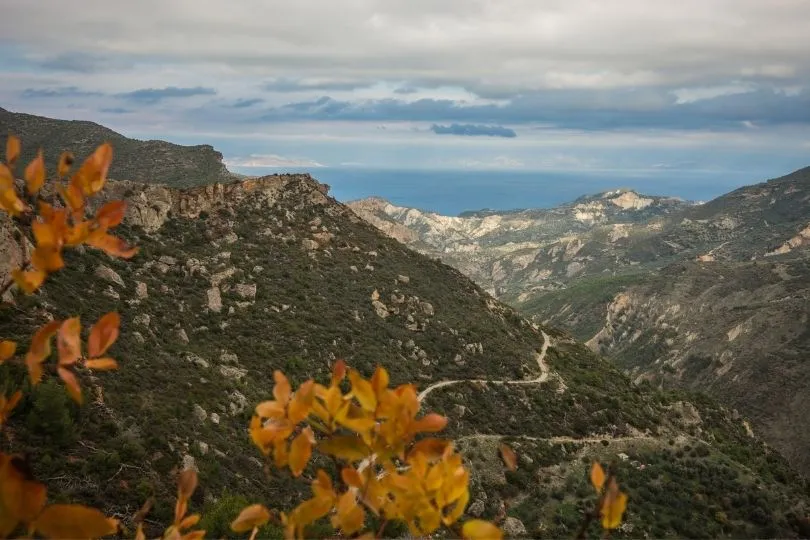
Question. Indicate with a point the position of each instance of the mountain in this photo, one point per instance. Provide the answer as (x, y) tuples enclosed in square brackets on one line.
[(141, 161), (710, 297), (236, 280)]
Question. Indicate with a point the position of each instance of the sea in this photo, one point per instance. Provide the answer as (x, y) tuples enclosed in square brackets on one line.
[(450, 192)]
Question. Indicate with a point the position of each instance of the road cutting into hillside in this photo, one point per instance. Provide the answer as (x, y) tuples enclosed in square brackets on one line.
[(540, 379)]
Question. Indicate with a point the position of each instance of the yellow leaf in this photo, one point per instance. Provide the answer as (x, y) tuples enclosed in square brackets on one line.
[(35, 174), (478, 529), (301, 403), (12, 150), (71, 383), (282, 388), (301, 451), (40, 349), (379, 381), (613, 507), (349, 517), (597, 476), (101, 364), (7, 350), (73, 521), (254, 515), (363, 391), (103, 334), (508, 456), (431, 448), (351, 477), (29, 281), (68, 342), (348, 447), (270, 409), (111, 214), (9, 200), (65, 163), (281, 453)]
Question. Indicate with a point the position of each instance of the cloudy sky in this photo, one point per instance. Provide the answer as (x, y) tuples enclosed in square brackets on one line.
[(573, 85)]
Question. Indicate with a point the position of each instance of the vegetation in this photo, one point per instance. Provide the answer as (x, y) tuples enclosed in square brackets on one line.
[(374, 468)]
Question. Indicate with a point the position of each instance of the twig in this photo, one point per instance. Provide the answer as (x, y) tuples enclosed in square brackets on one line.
[(594, 514)]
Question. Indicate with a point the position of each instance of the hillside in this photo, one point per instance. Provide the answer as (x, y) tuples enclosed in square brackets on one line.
[(141, 161), (712, 297), (235, 280)]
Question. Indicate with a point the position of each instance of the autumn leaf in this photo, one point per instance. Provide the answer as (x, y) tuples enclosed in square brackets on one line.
[(351, 477), (68, 342), (597, 476), (111, 214), (363, 391), (40, 350), (508, 456), (613, 506), (7, 405), (20, 496), (429, 423), (348, 447), (189, 521), (282, 388), (103, 334), (254, 515), (478, 529), (47, 259), (101, 364), (65, 163), (92, 175), (29, 281), (338, 372), (35, 174), (71, 384), (12, 150), (7, 350), (186, 484), (111, 245), (301, 403), (350, 516), (74, 521), (301, 451)]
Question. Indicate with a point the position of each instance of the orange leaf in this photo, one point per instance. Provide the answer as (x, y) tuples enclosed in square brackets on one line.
[(363, 391), (597, 476), (301, 403), (254, 515), (7, 350), (29, 281), (35, 174), (351, 477), (92, 175), (478, 529), (348, 447), (71, 384), (379, 381), (111, 245), (111, 214), (194, 535), (47, 259), (9, 200), (282, 388), (103, 334), (73, 197), (68, 342), (77, 234), (20, 496), (189, 521), (350, 516), (45, 233), (301, 451), (508, 456), (101, 364), (186, 484), (40, 350), (429, 423), (613, 507), (12, 150), (338, 372), (270, 409), (74, 521), (65, 162)]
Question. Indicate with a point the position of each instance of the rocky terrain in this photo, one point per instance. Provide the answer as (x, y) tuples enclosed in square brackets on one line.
[(236, 280), (143, 161), (711, 297)]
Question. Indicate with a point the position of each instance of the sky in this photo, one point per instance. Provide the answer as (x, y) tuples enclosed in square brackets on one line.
[(713, 87)]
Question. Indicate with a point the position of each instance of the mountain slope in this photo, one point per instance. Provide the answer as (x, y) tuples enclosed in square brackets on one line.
[(236, 280), (144, 161)]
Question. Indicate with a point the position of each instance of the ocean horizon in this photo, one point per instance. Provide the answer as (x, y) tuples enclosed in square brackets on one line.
[(451, 192)]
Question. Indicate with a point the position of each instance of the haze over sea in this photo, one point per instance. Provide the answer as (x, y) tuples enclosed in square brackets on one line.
[(450, 192)]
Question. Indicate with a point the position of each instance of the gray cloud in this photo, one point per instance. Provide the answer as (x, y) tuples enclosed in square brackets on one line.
[(245, 103), (303, 85), (60, 92), (116, 110), (472, 130), (154, 95)]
